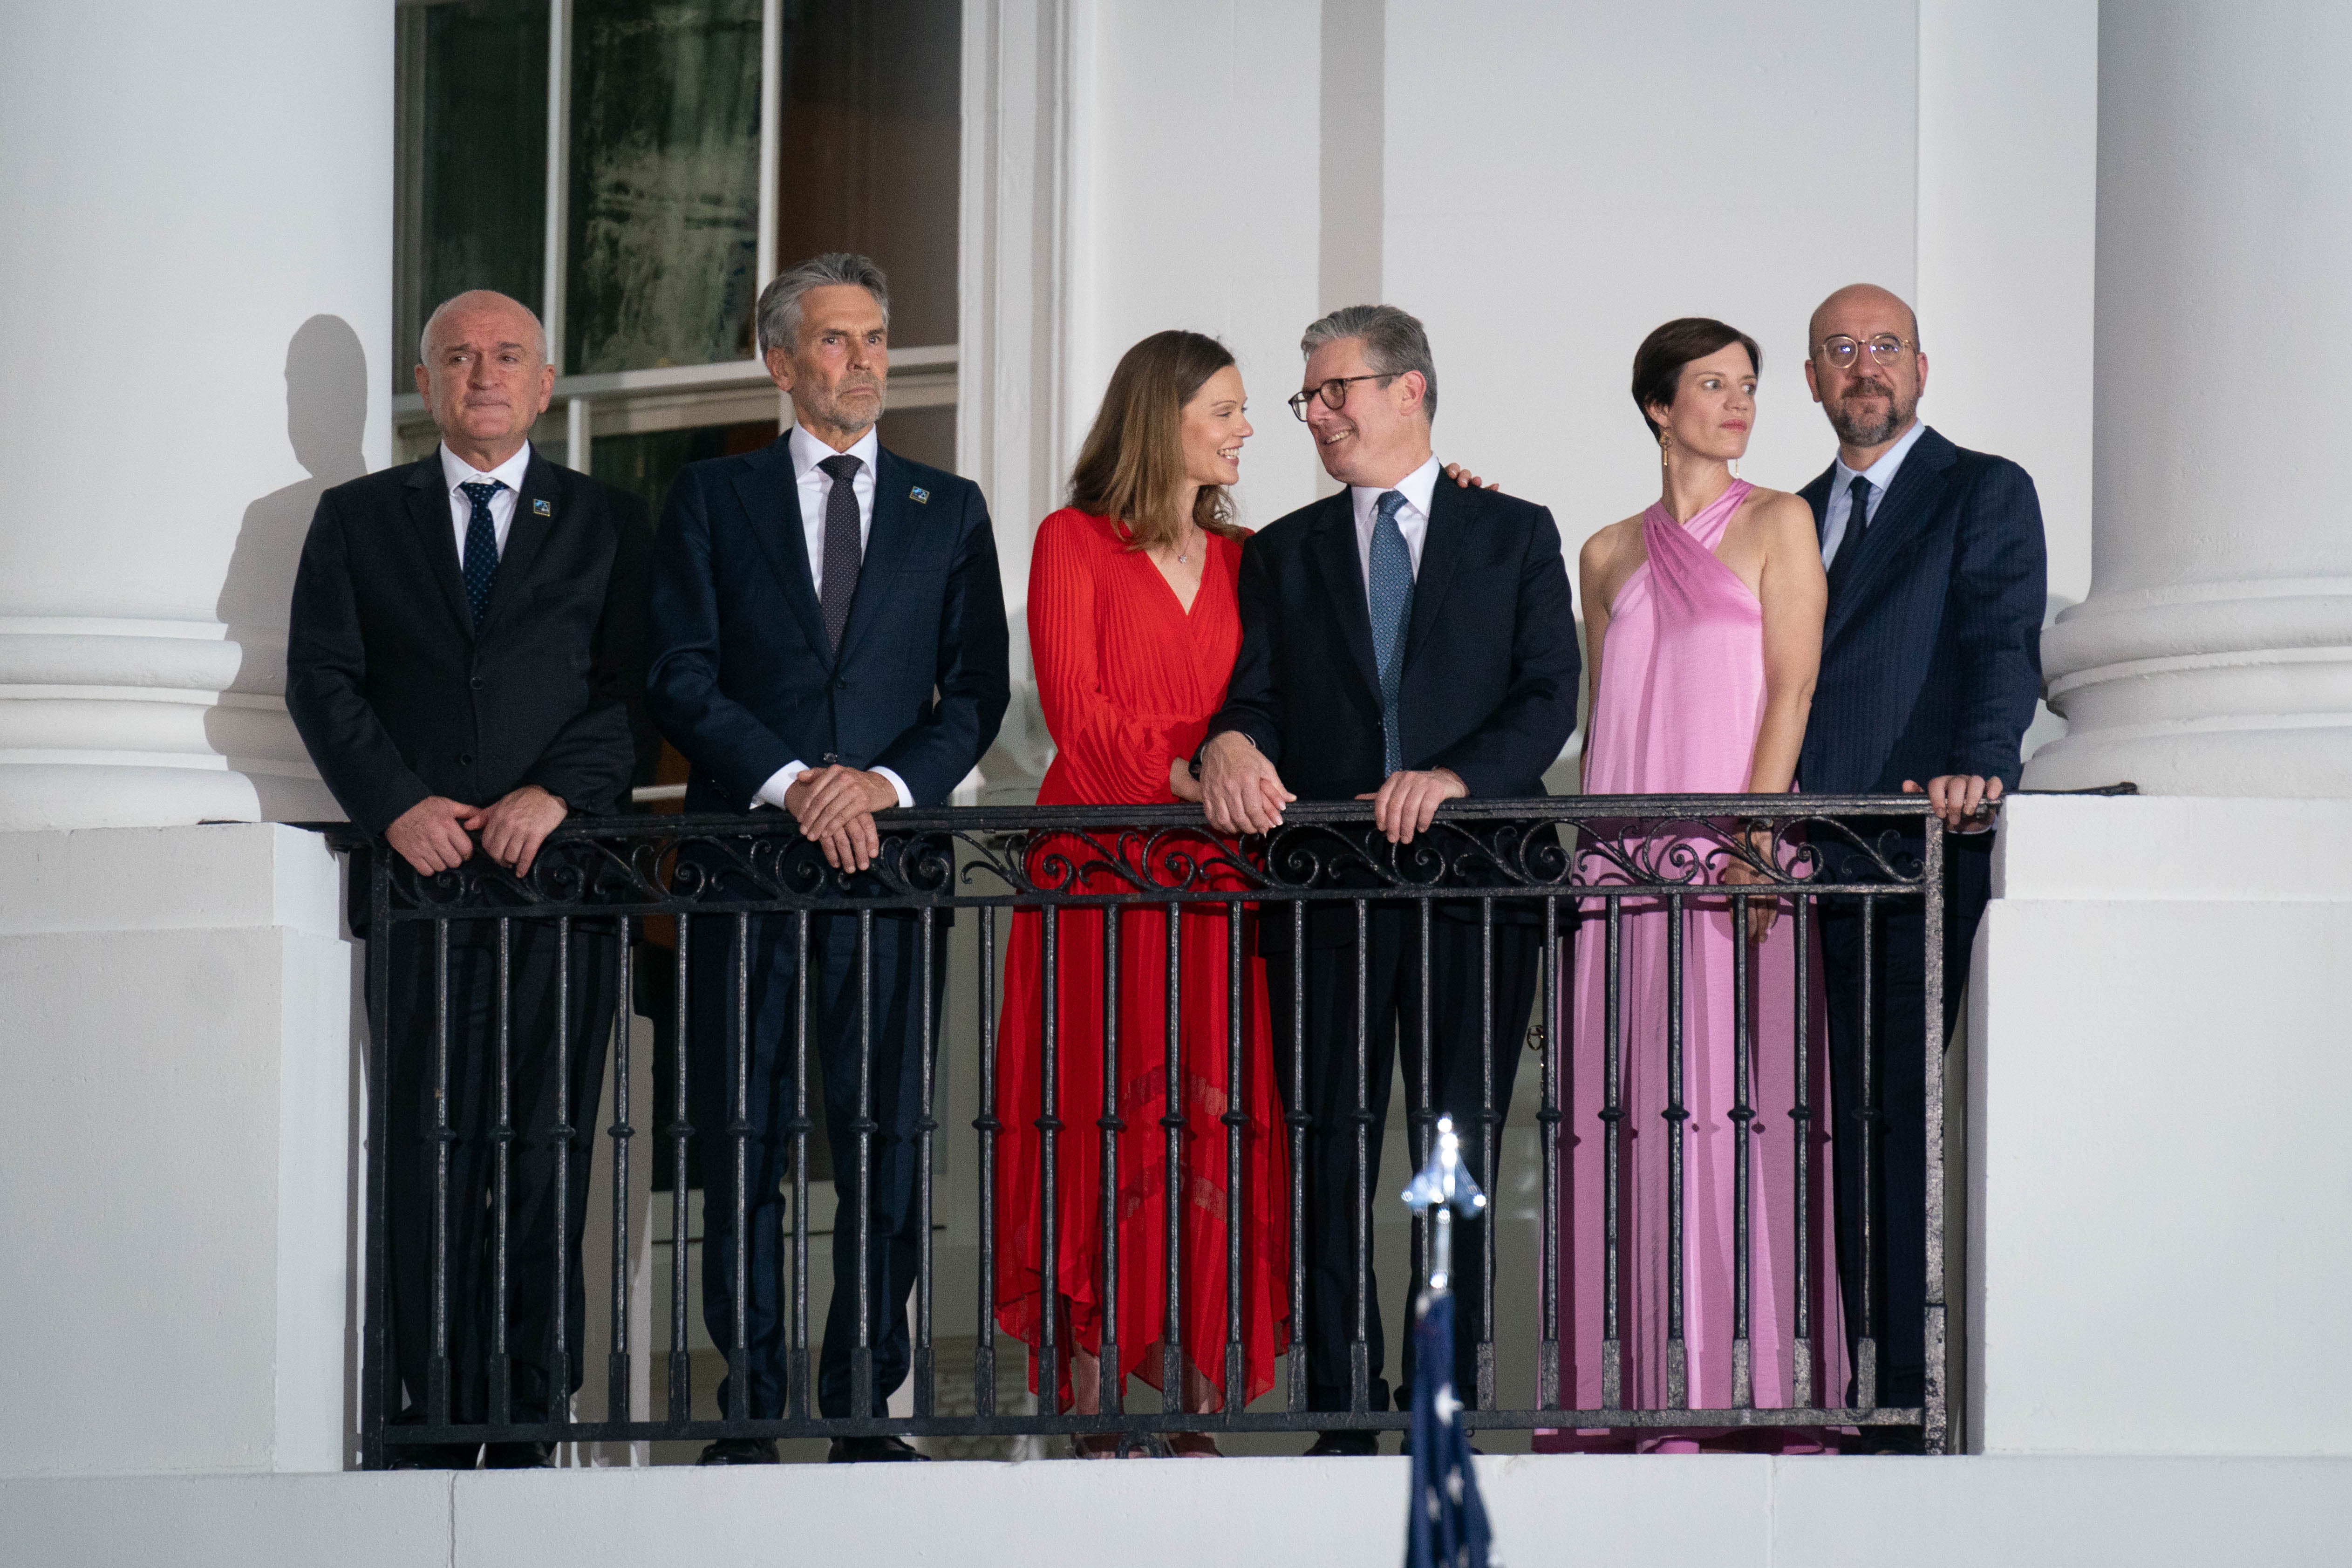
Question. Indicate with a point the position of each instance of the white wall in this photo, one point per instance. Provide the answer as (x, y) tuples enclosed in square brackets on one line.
[(177, 1062), (2160, 1186), (1562, 178), (1548, 182), (2009, 148), (1196, 206)]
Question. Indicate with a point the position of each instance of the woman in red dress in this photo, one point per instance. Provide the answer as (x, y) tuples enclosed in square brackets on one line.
[(1134, 625)]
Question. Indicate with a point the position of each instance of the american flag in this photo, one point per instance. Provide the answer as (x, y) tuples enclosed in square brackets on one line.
[(1446, 1523)]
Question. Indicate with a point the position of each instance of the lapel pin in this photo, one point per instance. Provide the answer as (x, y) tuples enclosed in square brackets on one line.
[(920, 494), (542, 508)]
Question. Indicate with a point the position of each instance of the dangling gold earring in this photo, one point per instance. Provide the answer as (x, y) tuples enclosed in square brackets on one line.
[(1735, 468), (1665, 440)]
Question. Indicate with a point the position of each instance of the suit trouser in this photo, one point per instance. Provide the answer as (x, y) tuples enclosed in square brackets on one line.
[(1392, 997), (1895, 1263), (533, 1258), (895, 1085)]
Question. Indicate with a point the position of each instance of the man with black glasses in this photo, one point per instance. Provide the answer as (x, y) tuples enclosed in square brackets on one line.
[(1407, 641)]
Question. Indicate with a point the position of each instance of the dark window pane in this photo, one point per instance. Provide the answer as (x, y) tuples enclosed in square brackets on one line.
[(664, 213), (472, 137), (873, 111), (645, 465), (921, 435)]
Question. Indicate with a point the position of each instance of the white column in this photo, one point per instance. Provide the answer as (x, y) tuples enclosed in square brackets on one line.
[(2214, 653), (198, 250)]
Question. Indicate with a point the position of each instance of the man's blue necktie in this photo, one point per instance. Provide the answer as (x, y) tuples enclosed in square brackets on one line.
[(1391, 596), (481, 563)]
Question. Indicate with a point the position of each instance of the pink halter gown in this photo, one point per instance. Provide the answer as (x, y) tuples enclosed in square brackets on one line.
[(1680, 699)]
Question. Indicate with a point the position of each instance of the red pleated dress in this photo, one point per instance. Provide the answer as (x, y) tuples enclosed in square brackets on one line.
[(1128, 680)]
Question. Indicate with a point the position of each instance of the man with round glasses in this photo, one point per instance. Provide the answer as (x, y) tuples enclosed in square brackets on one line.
[(1930, 668)]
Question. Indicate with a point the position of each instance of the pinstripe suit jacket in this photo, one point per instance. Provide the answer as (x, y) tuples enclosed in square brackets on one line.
[(1931, 653)]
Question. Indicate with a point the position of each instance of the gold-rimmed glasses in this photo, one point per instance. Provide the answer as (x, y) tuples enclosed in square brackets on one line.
[(1334, 393), (1840, 352)]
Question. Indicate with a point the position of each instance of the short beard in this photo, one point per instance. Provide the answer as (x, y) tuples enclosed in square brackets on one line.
[(827, 410), (1855, 430)]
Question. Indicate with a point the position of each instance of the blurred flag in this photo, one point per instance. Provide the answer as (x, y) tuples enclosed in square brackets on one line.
[(1447, 1524)]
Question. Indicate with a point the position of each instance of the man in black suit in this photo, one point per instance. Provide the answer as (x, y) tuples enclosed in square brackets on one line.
[(1930, 666), (464, 650), (828, 639), (1408, 643)]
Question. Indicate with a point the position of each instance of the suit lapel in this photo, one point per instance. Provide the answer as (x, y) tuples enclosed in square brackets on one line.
[(437, 535), (1909, 506), (1817, 496), (1332, 548), (1441, 551), (769, 493), (885, 546), (542, 486)]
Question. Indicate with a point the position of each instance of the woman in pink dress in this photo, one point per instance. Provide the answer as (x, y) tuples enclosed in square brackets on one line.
[(1703, 634)]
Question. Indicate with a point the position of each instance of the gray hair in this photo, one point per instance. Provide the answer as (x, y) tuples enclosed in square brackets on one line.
[(425, 338), (779, 315), (1395, 343)]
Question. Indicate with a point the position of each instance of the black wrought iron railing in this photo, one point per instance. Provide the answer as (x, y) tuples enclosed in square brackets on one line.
[(1580, 868)]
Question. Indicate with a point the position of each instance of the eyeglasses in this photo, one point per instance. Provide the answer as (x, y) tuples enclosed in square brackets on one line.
[(1840, 352), (1334, 393)]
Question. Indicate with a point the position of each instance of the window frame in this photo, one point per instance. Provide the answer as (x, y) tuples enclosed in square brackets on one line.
[(670, 397)]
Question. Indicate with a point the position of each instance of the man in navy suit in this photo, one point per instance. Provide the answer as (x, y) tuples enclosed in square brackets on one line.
[(1408, 643), (827, 639), (1930, 668)]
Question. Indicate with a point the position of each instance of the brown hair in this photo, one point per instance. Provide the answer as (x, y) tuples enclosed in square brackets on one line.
[(1658, 363), (1132, 464)]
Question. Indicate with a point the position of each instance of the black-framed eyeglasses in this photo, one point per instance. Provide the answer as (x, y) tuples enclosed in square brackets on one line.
[(1334, 393), (1840, 352)]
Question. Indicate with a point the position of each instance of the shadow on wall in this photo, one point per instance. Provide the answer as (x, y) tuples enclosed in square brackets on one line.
[(326, 419)]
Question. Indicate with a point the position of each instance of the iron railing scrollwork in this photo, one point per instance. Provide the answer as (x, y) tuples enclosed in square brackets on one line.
[(1579, 863)]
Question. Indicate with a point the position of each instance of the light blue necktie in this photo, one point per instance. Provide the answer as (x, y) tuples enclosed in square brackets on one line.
[(482, 562), (1391, 596)]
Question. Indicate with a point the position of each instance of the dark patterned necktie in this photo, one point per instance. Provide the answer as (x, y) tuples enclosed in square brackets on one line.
[(481, 564), (843, 552), (1391, 605), (1857, 523)]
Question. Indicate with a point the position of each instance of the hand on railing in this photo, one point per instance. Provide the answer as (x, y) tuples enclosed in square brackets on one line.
[(1967, 804)]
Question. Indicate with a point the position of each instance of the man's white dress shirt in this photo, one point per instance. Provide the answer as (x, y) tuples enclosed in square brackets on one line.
[(456, 471), (1881, 475), (815, 487), (1413, 518)]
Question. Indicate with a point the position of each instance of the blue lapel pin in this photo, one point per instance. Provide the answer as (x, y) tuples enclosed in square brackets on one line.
[(542, 508), (920, 494)]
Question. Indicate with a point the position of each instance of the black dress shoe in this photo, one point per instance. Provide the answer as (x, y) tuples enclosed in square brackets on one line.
[(872, 1451), (518, 1456), (434, 1455), (740, 1451), (1345, 1445)]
